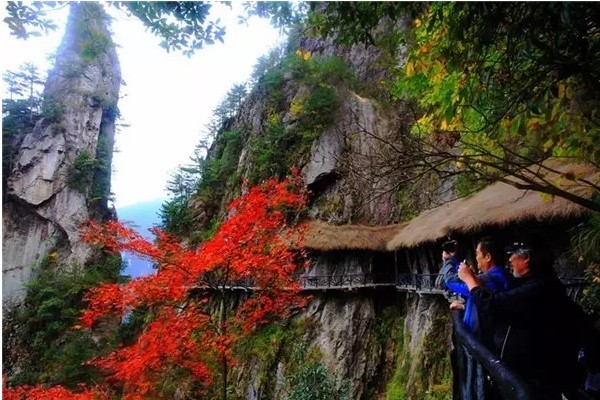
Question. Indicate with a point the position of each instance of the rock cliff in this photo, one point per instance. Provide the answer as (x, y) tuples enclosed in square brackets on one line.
[(376, 343), (60, 174)]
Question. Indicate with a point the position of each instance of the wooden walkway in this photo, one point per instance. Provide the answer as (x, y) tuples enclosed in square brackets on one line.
[(346, 282), (429, 284)]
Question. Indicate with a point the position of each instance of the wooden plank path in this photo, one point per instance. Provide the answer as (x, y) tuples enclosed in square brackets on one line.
[(429, 284)]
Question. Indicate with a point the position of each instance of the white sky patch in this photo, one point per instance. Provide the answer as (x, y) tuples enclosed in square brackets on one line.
[(168, 98)]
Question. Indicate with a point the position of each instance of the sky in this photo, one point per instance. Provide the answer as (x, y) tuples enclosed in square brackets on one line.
[(168, 97)]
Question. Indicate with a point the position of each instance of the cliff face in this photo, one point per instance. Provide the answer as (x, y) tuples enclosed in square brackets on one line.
[(60, 174), (374, 343)]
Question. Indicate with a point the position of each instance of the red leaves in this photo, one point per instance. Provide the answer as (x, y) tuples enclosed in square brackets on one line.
[(255, 244), (188, 335), (55, 393), (169, 343)]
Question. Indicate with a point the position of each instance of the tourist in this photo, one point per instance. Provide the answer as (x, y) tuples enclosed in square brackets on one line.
[(472, 381), (541, 329)]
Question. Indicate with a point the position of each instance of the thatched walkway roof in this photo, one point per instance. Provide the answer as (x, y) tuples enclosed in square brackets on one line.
[(324, 237), (497, 205)]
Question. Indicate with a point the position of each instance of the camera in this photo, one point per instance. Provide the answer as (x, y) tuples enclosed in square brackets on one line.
[(449, 246)]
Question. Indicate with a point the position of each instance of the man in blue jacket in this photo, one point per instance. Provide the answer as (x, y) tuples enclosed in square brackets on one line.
[(487, 256), (472, 383), (542, 328)]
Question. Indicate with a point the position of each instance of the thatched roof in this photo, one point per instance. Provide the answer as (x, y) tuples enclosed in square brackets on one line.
[(324, 237), (498, 205)]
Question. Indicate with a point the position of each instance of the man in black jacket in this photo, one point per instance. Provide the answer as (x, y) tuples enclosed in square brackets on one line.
[(538, 329)]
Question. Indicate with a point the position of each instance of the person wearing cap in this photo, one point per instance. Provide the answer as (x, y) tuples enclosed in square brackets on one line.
[(472, 382), (450, 262), (490, 274), (539, 330)]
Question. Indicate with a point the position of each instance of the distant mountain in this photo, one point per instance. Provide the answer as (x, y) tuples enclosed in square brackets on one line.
[(141, 216)]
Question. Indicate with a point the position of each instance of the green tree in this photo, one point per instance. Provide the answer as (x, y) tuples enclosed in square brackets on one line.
[(494, 87), (44, 323), (20, 110), (175, 214), (14, 86), (182, 25), (33, 83), (228, 107), (26, 83), (29, 19), (511, 84)]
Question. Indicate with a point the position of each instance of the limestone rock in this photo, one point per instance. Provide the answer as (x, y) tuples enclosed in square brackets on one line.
[(43, 211)]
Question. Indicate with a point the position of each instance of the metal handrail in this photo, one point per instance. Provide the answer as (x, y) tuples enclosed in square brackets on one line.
[(510, 385), (421, 283), (326, 281), (418, 282)]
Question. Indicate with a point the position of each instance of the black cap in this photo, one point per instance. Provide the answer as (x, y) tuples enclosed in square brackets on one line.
[(449, 246), (516, 247)]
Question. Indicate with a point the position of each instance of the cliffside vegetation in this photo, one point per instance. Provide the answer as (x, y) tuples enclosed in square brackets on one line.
[(66, 134), (508, 85), (523, 93), (20, 110), (51, 350), (491, 89), (199, 189)]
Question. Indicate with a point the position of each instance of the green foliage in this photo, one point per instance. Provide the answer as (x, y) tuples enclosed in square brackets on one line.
[(396, 386), (25, 20), (267, 152), (15, 118), (182, 25), (89, 21), (52, 109), (468, 183), (80, 177), (355, 22), (307, 376), (285, 145), (437, 372), (282, 14), (219, 175), (265, 64), (46, 320), (16, 122), (586, 242), (231, 103), (405, 203), (433, 372), (21, 110), (507, 80), (206, 181), (264, 343), (509, 84), (311, 380), (100, 186), (176, 217), (95, 45)]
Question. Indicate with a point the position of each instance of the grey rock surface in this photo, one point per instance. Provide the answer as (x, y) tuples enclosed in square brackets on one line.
[(80, 99)]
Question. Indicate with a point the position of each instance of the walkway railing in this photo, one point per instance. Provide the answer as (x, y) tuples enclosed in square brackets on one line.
[(345, 281), (509, 384), (417, 283), (420, 283), (574, 286)]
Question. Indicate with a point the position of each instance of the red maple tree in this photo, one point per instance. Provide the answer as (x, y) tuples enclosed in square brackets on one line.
[(188, 344), (55, 393)]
